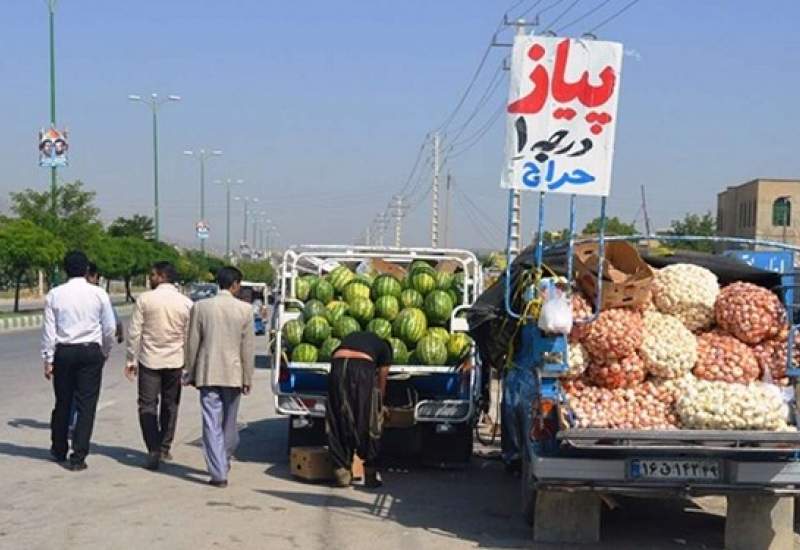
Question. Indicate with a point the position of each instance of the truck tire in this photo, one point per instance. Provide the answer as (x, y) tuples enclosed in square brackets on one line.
[(309, 436), (527, 493), (454, 448)]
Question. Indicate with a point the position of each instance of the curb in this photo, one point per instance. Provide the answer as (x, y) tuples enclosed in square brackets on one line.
[(35, 320)]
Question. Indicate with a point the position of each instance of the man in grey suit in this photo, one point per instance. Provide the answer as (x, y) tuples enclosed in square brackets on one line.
[(219, 361)]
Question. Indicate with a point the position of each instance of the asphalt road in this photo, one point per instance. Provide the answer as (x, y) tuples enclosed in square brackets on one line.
[(118, 504)]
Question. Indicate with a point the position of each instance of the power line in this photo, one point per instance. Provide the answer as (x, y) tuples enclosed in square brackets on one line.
[(530, 9), (488, 219), (494, 84), (584, 16), (616, 14), (475, 138), (464, 96), (416, 163), (562, 14)]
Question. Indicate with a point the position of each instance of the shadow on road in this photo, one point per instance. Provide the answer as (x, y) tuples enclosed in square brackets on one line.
[(28, 423)]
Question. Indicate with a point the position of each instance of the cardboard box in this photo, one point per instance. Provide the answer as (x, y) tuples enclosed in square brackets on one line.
[(387, 268), (626, 277), (314, 464), (399, 417)]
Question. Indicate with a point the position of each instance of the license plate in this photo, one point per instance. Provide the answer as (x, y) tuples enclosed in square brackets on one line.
[(707, 470)]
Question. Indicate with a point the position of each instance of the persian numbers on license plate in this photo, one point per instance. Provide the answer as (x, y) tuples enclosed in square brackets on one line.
[(709, 470)]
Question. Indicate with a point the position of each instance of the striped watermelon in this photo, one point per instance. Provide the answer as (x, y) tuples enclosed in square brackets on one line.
[(386, 285), (420, 265), (439, 332), (365, 278), (362, 310), (422, 281), (344, 326), (413, 358), (312, 280), (410, 325), (458, 347), (302, 289), (313, 308), (305, 353), (438, 307), (317, 330), (431, 351), (411, 298), (293, 332), (458, 280), (355, 290), (387, 307), (323, 292), (335, 310), (455, 296), (381, 327), (399, 351), (444, 280), (328, 347), (341, 277)]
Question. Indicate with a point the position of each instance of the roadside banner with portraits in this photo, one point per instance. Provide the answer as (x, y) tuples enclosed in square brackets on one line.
[(53, 147)]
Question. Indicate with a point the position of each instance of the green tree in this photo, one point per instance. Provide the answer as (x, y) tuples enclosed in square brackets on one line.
[(257, 271), (76, 221), (694, 224), (135, 226), (25, 247), (613, 227)]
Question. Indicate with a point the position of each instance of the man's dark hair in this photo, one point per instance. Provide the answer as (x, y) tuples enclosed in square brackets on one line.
[(227, 276), (166, 270), (92, 270), (76, 264)]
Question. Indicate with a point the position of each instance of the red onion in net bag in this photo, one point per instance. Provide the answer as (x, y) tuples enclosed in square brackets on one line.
[(616, 373), (749, 312), (616, 333), (724, 358), (580, 310), (771, 356)]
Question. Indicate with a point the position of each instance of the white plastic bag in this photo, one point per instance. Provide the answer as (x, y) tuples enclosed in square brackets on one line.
[(556, 314)]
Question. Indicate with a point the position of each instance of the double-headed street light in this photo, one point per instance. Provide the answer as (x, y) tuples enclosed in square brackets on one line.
[(201, 155), (228, 183), (246, 201), (154, 101)]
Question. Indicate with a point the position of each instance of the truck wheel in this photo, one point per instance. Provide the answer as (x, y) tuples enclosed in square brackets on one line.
[(527, 493)]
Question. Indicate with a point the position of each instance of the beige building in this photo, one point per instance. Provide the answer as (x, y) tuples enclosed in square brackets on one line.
[(764, 209)]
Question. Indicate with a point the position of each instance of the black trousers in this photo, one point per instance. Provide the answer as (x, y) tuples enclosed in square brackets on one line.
[(158, 423), (353, 412), (77, 375)]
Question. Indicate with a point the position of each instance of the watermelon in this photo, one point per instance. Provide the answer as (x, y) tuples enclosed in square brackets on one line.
[(458, 280), (362, 310), (399, 351), (344, 326), (387, 307), (410, 325), (444, 280), (312, 280), (413, 358), (317, 330), (455, 296), (335, 310), (328, 347), (431, 351), (302, 289), (293, 332), (411, 298), (365, 278), (323, 292), (438, 307), (341, 277), (355, 290), (305, 353), (386, 285), (313, 308), (422, 281), (440, 333), (381, 327), (417, 265), (458, 346)]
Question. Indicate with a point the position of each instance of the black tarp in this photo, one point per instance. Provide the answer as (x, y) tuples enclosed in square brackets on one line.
[(492, 328)]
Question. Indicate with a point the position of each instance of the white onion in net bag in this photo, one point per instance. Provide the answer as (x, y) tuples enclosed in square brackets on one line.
[(578, 361), (749, 312), (616, 333), (722, 406), (669, 349), (688, 292)]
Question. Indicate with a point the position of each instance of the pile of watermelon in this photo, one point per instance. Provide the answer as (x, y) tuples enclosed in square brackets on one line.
[(413, 314)]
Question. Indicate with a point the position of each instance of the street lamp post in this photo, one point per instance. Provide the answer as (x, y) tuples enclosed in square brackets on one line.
[(155, 102), (202, 155), (228, 183), (51, 10), (246, 201)]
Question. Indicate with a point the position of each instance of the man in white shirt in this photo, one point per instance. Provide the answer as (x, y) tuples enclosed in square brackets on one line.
[(156, 337), (77, 336)]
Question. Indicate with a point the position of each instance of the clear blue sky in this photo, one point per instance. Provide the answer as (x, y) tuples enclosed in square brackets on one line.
[(321, 106)]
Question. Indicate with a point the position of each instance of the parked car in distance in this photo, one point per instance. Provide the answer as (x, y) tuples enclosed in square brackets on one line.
[(200, 291)]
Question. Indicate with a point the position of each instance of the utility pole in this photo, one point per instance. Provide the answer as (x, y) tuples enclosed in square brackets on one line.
[(228, 183), (515, 199), (435, 193), (447, 210), (51, 9), (397, 208), (202, 155), (646, 216)]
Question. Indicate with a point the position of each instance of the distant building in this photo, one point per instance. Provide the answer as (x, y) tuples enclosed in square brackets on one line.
[(765, 209)]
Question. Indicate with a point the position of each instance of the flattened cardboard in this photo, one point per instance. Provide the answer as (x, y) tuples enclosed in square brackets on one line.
[(387, 268)]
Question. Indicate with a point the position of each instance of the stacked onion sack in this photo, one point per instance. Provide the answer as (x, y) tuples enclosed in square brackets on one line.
[(412, 315), (693, 356)]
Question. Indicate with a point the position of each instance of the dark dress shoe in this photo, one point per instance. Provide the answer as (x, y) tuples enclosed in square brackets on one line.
[(58, 457), (77, 466), (218, 483), (153, 461), (166, 456)]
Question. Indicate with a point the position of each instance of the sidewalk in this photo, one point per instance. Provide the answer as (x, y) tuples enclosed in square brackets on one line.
[(35, 319)]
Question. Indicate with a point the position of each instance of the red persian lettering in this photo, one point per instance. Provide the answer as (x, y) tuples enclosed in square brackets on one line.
[(590, 96), (534, 101)]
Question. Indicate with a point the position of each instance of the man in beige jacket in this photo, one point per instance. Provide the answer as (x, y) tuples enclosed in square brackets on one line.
[(219, 359), (156, 337)]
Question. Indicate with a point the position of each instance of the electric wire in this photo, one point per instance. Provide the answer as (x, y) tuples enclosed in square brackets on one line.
[(550, 25), (613, 16), (584, 16), (475, 138)]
